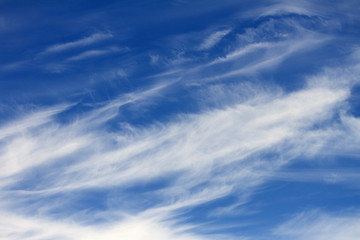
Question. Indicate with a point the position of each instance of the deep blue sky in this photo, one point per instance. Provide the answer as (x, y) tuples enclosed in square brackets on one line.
[(179, 119)]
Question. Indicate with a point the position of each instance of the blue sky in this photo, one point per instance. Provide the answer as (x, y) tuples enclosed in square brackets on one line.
[(178, 119)]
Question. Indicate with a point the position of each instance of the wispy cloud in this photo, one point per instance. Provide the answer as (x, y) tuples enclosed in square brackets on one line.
[(33, 120), (147, 176), (151, 143), (137, 228), (94, 38), (95, 53), (59, 66), (320, 226), (210, 155), (258, 49), (213, 39), (13, 66), (331, 176)]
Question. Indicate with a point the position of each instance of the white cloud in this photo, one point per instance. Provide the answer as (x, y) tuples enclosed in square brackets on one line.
[(185, 142), (195, 145), (316, 225), (57, 67), (266, 47), (13, 66), (332, 176), (18, 227), (213, 154), (213, 39), (154, 59), (208, 155), (94, 38), (273, 55), (33, 120), (95, 53)]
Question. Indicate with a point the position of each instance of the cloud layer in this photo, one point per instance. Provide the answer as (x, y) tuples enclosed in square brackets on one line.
[(188, 138)]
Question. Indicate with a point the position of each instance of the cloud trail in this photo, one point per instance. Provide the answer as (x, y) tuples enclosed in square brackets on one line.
[(94, 38), (213, 39), (320, 226), (95, 53)]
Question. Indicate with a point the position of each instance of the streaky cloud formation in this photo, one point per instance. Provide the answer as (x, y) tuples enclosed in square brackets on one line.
[(213, 39), (317, 225), (95, 53), (247, 129), (94, 38), (245, 124)]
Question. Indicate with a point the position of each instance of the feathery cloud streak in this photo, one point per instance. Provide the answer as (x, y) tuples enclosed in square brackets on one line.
[(188, 139), (198, 147), (94, 38), (320, 226)]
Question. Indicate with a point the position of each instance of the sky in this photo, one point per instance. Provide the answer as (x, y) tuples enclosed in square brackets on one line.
[(179, 119)]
